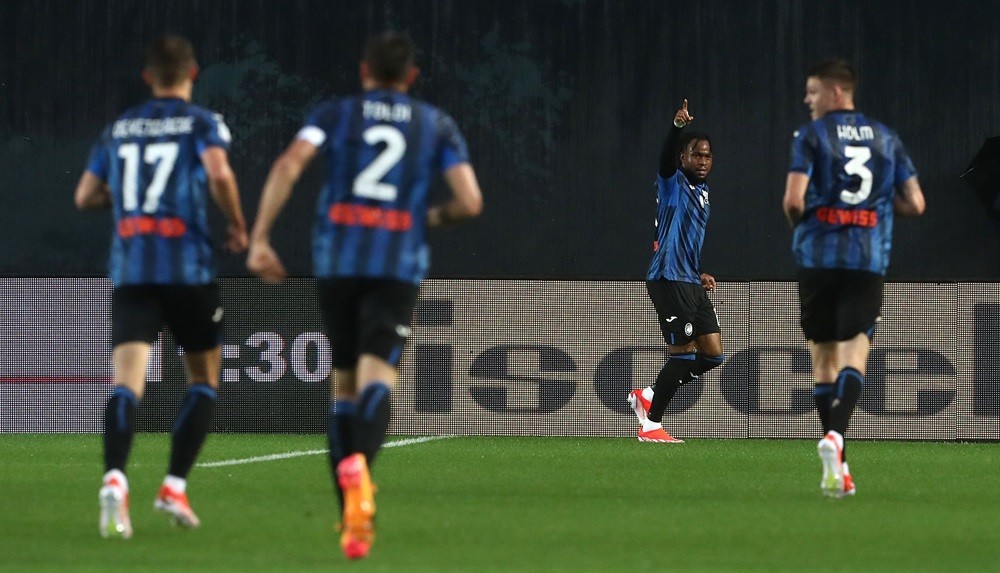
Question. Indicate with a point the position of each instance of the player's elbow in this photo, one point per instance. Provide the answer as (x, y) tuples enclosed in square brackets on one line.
[(472, 206), (793, 208), (80, 201)]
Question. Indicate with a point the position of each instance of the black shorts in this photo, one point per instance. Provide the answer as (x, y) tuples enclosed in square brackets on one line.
[(839, 304), (366, 316), (684, 309), (192, 312)]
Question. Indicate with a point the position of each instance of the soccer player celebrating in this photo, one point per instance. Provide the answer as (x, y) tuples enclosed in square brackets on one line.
[(675, 283), (382, 147), (152, 168), (848, 175)]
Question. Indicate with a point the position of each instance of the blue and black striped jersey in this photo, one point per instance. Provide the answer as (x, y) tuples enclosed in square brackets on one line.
[(854, 166), (682, 212), (382, 150), (150, 157)]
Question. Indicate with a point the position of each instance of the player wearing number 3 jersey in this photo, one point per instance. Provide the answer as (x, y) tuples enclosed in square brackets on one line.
[(154, 168), (848, 176), (382, 148)]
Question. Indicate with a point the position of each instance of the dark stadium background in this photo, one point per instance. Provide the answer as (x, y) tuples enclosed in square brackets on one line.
[(564, 104)]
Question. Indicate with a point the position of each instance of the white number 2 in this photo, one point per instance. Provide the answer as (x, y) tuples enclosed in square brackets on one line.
[(368, 183), (856, 166), (163, 155)]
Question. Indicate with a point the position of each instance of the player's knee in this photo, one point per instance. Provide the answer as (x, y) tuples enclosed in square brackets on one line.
[(706, 363)]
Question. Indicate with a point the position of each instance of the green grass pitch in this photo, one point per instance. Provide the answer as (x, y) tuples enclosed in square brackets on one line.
[(516, 504)]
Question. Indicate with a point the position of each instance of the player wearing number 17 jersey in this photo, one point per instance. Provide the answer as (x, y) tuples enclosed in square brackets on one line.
[(848, 176), (153, 168), (382, 148)]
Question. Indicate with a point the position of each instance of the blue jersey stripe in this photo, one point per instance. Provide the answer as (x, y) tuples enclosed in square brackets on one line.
[(163, 238), (682, 215), (842, 227), (379, 227)]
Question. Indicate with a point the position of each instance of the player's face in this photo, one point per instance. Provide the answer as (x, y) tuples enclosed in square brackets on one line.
[(696, 159), (820, 97)]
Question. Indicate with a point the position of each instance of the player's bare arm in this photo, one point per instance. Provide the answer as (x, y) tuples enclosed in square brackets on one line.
[(222, 185), (708, 282), (466, 201), (795, 197), (92, 193), (909, 200), (262, 260)]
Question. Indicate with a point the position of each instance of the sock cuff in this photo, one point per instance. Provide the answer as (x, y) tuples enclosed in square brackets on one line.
[(203, 389), (849, 372), (684, 356), (125, 393), (344, 407), (822, 389), (715, 359), (374, 388)]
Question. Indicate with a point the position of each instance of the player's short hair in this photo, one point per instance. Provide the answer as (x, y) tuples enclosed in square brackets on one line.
[(835, 70), (169, 59), (390, 55), (690, 136)]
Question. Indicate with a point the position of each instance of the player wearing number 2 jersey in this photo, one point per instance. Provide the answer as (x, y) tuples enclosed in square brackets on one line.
[(153, 168), (848, 176), (382, 148)]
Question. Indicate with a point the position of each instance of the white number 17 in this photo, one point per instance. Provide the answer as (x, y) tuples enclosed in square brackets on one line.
[(163, 155)]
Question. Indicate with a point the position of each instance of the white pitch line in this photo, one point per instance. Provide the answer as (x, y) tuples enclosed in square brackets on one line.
[(286, 455)]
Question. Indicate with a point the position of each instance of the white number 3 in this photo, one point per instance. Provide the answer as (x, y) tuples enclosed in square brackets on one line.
[(856, 166)]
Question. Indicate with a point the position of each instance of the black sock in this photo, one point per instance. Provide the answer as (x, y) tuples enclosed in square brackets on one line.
[(847, 390), (119, 428), (372, 420), (339, 438), (823, 395), (674, 373), (190, 428)]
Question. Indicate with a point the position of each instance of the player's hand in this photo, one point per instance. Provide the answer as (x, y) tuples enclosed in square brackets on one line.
[(708, 282), (237, 239), (264, 262), (682, 117)]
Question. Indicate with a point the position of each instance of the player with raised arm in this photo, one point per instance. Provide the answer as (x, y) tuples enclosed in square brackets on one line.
[(848, 175), (382, 148), (154, 167), (674, 281)]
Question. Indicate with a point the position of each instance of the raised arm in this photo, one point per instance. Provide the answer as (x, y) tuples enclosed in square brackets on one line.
[(668, 155), (909, 200), (222, 185), (263, 260), (466, 201)]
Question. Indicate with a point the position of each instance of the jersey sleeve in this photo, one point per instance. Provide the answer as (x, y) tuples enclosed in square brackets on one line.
[(318, 125), (452, 149), (904, 165), (803, 151), (98, 161), (213, 132)]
